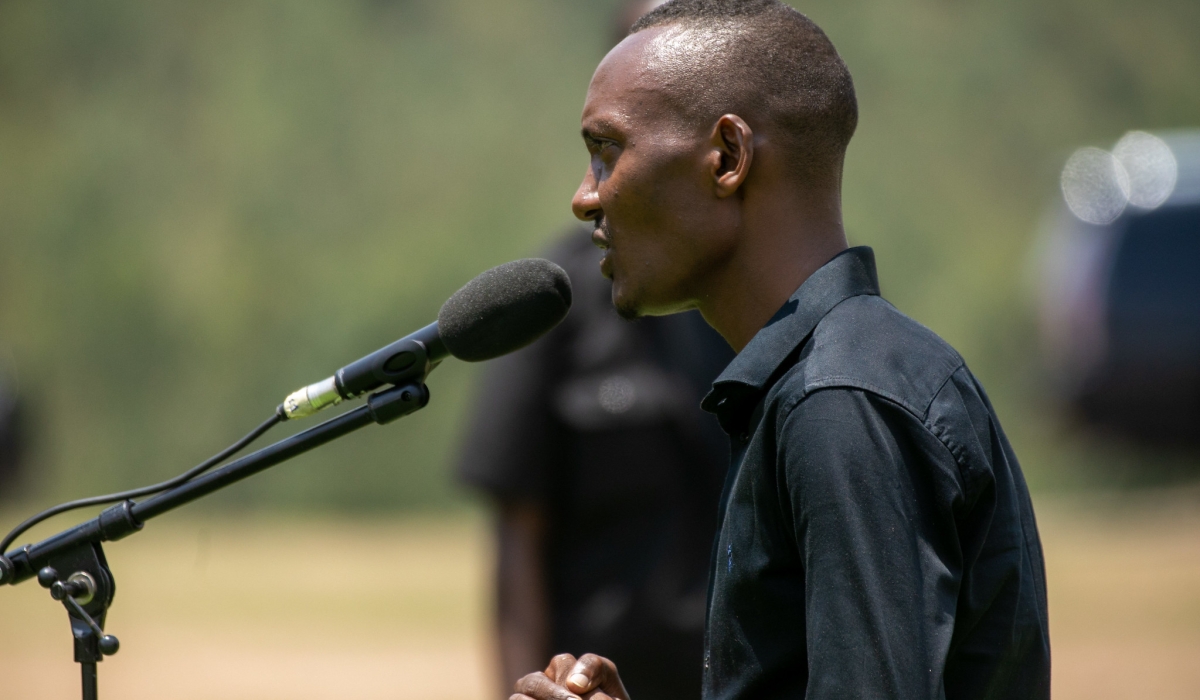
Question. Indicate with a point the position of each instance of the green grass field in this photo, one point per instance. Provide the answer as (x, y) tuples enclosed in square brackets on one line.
[(204, 206), (397, 608)]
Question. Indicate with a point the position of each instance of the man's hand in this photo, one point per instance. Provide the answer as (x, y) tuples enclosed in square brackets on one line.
[(590, 677)]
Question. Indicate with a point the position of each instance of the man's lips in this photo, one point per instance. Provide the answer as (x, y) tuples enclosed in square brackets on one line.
[(600, 237), (601, 240), (606, 266)]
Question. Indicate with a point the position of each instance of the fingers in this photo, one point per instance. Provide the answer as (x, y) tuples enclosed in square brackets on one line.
[(597, 673), (595, 695), (538, 686), (587, 673), (560, 667), (567, 678)]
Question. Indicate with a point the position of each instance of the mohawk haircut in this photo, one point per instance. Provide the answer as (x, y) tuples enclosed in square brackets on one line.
[(763, 61)]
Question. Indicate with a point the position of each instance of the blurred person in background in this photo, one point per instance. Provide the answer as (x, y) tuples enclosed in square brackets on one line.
[(11, 442), (594, 436)]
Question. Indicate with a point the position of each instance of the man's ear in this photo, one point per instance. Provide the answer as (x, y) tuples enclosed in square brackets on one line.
[(733, 151)]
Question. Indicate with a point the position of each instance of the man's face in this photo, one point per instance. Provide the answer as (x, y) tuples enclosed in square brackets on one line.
[(649, 187)]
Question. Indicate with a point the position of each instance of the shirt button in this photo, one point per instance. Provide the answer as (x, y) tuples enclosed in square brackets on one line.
[(744, 437)]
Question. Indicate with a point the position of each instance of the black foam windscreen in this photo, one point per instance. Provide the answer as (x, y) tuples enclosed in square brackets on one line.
[(504, 309)]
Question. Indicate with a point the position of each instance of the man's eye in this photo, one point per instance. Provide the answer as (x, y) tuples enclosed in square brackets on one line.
[(605, 149), (596, 143)]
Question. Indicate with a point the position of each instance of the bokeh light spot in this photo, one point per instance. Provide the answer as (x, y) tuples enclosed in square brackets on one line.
[(617, 394), (1095, 185), (1151, 166)]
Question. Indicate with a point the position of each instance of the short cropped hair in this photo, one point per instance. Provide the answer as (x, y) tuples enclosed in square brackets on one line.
[(761, 58)]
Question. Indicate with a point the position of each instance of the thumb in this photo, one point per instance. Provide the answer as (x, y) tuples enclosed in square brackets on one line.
[(593, 672)]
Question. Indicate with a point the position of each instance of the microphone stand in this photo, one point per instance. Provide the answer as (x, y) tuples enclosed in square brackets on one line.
[(88, 588)]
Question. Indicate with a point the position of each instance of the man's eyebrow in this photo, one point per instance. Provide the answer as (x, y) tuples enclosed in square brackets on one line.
[(596, 128)]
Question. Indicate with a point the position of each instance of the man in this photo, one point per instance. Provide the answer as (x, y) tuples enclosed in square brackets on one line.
[(593, 437), (876, 538)]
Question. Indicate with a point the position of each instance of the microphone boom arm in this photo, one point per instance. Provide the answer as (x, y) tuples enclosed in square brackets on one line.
[(128, 517)]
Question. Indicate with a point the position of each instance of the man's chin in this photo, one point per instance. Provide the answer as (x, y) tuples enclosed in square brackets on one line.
[(628, 312), (626, 307), (636, 303)]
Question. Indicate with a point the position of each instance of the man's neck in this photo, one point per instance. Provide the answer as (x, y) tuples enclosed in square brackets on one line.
[(776, 256)]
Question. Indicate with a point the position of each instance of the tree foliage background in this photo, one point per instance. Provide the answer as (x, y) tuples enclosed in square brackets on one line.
[(205, 205)]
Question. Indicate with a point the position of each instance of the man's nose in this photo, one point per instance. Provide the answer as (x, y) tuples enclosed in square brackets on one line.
[(586, 202)]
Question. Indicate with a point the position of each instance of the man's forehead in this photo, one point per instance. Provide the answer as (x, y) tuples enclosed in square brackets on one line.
[(626, 82), (626, 66), (675, 52)]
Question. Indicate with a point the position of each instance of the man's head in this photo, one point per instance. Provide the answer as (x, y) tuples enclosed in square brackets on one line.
[(696, 123)]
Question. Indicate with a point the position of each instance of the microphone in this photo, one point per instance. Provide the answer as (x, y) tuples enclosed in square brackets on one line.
[(500, 311)]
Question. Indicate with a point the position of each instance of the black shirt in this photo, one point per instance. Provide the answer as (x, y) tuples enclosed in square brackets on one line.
[(600, 423), (876, 535)]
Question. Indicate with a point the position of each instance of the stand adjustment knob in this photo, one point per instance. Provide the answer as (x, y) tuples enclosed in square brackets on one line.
[(47, 577), (80, 586), (109, 645)]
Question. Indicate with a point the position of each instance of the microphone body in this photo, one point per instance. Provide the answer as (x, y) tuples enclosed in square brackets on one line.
[(412, 357), (502, 310)]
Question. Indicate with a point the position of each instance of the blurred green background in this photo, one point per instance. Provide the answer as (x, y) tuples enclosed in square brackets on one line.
[(206, 205)]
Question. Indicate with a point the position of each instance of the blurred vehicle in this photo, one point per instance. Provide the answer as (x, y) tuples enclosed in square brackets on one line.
[(1120, 287)]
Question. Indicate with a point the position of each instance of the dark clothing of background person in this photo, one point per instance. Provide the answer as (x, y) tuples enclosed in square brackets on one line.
[(877, 538), (599, 426)]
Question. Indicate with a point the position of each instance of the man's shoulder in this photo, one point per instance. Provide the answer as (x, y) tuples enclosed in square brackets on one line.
[(865, 343)]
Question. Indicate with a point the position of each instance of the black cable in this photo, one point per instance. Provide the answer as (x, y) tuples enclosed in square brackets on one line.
[(146, 490)]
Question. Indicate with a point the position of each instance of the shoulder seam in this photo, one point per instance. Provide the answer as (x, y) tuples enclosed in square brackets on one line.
[(789, 407), (956, 451), (843, 381)]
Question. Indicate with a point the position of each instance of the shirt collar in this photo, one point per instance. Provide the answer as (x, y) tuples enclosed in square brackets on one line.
[(850, 273)]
